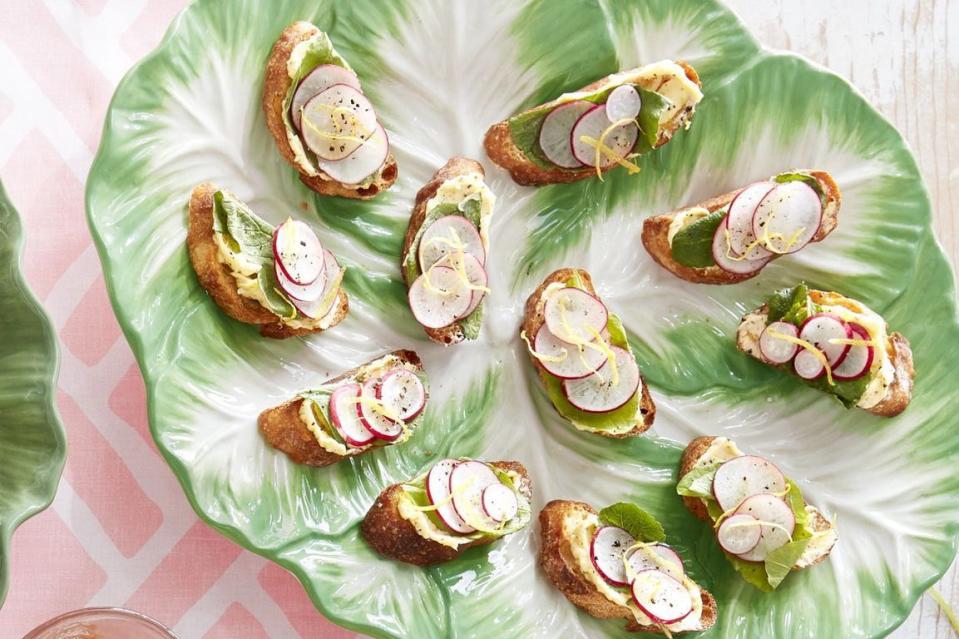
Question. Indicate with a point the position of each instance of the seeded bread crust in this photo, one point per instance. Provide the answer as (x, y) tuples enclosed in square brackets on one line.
[(276, 85), (534, 319), (656, 234), (389, 534), (217, 280)]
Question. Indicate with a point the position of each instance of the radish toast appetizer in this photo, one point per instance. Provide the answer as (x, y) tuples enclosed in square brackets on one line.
[(583, 358), (603, 125), (377, 404), (323, 124), (445, 251), (762, 523), (731, 237), (614, 565), (279, 278), (835, 344), (457, 504)]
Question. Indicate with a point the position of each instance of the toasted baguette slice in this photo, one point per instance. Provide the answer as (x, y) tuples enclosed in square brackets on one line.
[(218, 281), (656, 233), (898, 393), (389, 534), (534, 319), (452, 334), (284, 429), (556, 556), (694, 452), (276, 85), (502, 150)]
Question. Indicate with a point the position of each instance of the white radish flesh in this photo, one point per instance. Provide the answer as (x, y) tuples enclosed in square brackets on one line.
[(575, 316), (807, 365), (468, 480), (317, 81), (325, 303), (556, 133), (438, 297), (821, 329), (576, 362), (788, 217), (623, 103), (298, 252), (859, 359), (361, 163), (382, 426), (729, 262), (774, 348), (591, 126), (656, 557), (739, 534), (499, 503), (450, 233), (662, 598), (438, 492), (606, 550), (402, 392), (601, 392), (477, 277), (777, 523), (300, 292), (739, 221), (743, 476), (345, 419), (337, 121)]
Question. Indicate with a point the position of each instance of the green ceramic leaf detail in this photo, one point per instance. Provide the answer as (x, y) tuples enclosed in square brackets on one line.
[(439, 73), (32, 440)]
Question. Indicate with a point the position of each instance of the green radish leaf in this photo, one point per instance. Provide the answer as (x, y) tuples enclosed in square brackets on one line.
[(779, 562), (253, 235), (634, 520), (270, 288), (698, 482), (693, 244)]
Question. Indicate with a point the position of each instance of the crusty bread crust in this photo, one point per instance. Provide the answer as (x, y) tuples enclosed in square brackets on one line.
[(452, 334), (284, 429), (694, 451), (503, 151), (276, 84), (216, 278), (389, 534), (532, 321), (656, 234), (556, 558)]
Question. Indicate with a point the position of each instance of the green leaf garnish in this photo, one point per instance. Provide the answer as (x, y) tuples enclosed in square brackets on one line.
[(780, 562), (698, 482), (634, 520)]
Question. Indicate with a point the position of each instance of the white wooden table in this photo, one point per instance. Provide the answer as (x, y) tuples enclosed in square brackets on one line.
[(904, 57)]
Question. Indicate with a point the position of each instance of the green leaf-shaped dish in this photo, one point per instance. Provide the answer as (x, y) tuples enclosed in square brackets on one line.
[(32, 442), (441, 72)]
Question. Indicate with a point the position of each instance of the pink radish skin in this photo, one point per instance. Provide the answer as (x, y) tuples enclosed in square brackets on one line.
[(477, 276), (859, 359), (584, 315), (738, 267), (596, 393), (672, 564), (772, 509), (316, 307), (556, 133), (606, 550), (499, 503), (298, 252), (739, 534), (818, 329), (438, 492), (573, 366), (468, 480), (436, 310), (317, 81), (776, 350), (807, 365), (790, 208), (743, 476), (345, 419), (739, 221), (661, 597), (620, 140), (403, 392), (362, 162), (431, 250), (339, 121), (381, 426)]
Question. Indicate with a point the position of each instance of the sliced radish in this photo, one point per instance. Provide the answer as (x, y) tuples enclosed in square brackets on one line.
[(739, 221), (743, 476), (606, 549), (820, 329), (776, 524), (361, 163), (438, 491), (298, 252), (337, 121), (317, 81), (438, 303), (301, 292), (325, 303), (575, 316), (597, 393), (402, 392), (623, 103), (656, 557), (807, 365), (577, 362), (556, 131), (661, 597), (468, 480), (777, 350), (859, 359), (499, 503), (477, 276), (592, 124), (380, 425), (728, 263), (788, 217), (739, 534), (345, 419), (448, 234)]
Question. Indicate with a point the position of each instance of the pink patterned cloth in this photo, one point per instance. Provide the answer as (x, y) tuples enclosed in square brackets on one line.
[(120, 531)]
